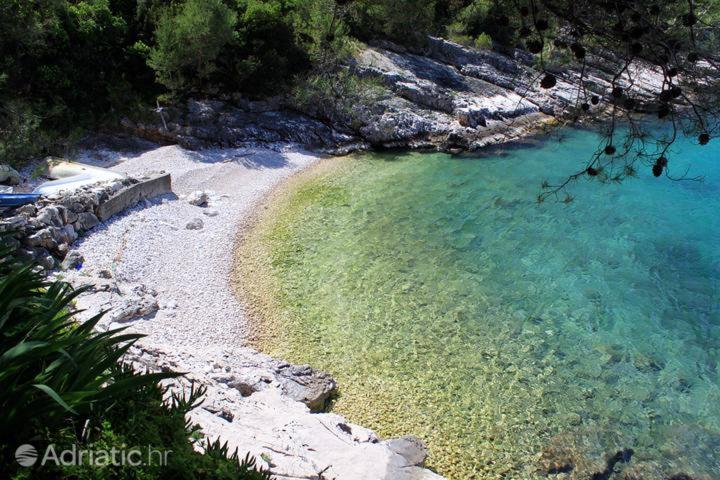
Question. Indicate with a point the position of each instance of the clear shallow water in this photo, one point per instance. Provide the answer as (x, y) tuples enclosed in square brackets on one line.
[(514, 337)]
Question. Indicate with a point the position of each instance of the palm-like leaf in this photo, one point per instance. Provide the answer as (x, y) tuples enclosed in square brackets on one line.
[(52, 369)]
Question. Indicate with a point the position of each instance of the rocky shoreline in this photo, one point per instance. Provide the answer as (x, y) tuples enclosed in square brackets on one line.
[(139, 271), (231, 153), (442, 97)]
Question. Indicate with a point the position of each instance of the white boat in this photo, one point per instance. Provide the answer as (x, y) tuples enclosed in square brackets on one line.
[(67, 176)]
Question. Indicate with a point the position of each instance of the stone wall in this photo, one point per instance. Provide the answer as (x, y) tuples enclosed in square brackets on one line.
[(44, 231)]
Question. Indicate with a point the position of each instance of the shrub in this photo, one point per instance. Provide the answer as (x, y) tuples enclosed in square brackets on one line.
[(65, 64), (63, 383), (268, 55), (189, 40), (483, 41), (339, 97), (404, 21), (481, 18), (20, 134)]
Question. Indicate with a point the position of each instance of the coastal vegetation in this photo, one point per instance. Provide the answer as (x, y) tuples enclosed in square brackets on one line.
[(63, 384), (67, 65)]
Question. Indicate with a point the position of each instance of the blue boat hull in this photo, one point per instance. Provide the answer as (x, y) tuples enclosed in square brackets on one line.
[(17, 199)]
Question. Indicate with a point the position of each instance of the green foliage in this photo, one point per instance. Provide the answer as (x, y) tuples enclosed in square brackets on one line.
[(62, 383), (208, 46), (483, 17), (20, 134), (269, 54), (404, 21), (189, 41), (50, 366), (483, 41), (339, 97), (65, 64), (320, 25)]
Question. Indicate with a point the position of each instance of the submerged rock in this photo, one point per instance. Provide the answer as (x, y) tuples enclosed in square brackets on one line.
[(257, 405)]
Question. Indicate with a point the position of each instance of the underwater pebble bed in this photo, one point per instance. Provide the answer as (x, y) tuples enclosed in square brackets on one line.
[(517, 339)]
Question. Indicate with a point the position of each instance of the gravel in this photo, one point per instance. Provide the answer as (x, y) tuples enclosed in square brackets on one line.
[(158, 278), (150, 245)]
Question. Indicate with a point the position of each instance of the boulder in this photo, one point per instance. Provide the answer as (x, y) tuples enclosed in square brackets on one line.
[(134, 307), (304, 384), (198, 198), (50, 216), (412, 449), (195, 224), (38, 255), (46, 238), (13, 224), (67, 234), (9, 175), (45, 260), (73, 260), (27, 211), (468, 117), (86, 221)]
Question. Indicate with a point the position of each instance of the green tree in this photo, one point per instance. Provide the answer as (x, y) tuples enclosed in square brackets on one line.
[(269, 53), (404, 21), (62, 65), (189, 40)]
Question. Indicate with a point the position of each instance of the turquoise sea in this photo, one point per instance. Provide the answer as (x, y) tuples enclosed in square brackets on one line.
[(518, 339)]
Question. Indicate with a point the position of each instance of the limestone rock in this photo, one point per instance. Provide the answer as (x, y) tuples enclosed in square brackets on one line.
[(73, 260), (86, 221), (51, 216), (195, 224), (133, 307), (38, 255), (306, 385), (9, 175), (410, 448), (45, 260), (12, 224), (46, 238), (67, 234), (428, 93), (198, 198), (28, 210), (471, 118)]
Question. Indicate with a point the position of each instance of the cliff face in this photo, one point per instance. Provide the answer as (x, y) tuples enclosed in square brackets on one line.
[(444, 96)]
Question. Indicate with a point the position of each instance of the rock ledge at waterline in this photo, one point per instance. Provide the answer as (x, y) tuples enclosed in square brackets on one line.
[(441, 97)]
